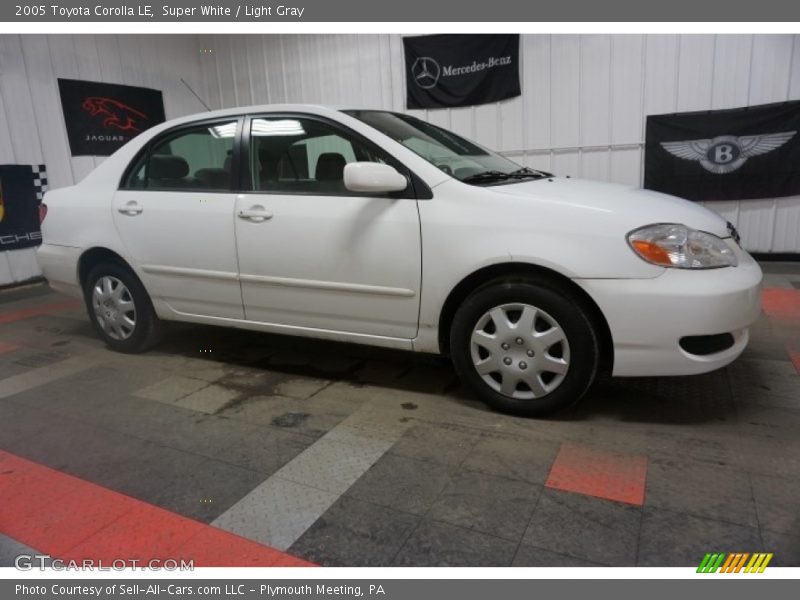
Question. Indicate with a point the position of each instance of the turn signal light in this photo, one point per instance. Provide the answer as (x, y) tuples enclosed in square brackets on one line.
[(42, 212), (652, 252)]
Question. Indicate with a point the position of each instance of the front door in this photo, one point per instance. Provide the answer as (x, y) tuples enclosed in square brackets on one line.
[(312, 254)]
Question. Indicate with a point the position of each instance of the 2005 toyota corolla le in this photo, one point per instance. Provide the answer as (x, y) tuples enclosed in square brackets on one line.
[(379, 228)]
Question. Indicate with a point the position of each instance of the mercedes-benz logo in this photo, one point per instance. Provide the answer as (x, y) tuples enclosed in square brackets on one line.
[(426, 72)]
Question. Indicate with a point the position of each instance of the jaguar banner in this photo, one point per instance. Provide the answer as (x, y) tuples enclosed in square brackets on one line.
[(21, 191), (735, 154), (101, 117), (452, 70)]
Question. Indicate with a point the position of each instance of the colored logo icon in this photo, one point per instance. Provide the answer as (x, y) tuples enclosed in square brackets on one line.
[(735, 562)]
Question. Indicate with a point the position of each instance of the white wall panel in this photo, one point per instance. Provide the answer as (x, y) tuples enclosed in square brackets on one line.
[(582, 113), (31, 120), (695, 72)]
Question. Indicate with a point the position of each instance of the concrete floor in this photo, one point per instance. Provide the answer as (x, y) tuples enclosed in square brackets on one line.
[(352, 456)]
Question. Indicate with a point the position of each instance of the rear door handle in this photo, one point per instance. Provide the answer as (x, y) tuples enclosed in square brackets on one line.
[(131, 208), (256, 214)]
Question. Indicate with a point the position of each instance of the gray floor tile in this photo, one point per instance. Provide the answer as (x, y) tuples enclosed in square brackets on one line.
[(701, 489), (785, 547), (436, 443), (401, 483), (171, 389), (10, 549), (777, 503), (517, 458), (493, 505), (531, 556), (587, 528), (435, 544), (671, 539), (352, 533)]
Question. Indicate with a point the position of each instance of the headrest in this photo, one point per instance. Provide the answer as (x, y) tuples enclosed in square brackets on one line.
[(167, 166), (214, 179), (330, 167)]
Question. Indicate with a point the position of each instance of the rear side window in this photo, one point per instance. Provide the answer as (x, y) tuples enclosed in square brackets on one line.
[(194, 159)]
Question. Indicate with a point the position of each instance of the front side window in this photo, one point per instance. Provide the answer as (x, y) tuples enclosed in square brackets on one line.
[(303, 156), (195, 159), (453, 154)]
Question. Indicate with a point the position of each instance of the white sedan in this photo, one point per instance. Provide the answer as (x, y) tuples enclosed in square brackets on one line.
[(378, 228)]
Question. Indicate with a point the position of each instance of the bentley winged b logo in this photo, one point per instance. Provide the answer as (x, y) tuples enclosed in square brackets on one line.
[(426, 72), (726, 153)]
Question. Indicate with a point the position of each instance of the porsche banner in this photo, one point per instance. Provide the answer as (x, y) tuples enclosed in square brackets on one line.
[(452, 70), (21, 191), (735, 154), (101, 117)]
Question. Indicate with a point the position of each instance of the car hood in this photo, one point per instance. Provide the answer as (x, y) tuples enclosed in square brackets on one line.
[(626, 206)]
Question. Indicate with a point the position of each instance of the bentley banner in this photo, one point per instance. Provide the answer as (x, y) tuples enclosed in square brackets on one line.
[(101, 117), (21, 191), (461, 70), (734, 154)]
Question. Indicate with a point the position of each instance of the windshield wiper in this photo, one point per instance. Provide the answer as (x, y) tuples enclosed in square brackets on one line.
[(487, 176), (523, 173), (528, 172)]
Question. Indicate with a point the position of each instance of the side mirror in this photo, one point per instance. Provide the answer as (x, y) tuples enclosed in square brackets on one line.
[(373, 177)]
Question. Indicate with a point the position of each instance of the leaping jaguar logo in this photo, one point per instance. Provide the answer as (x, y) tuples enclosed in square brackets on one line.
[(726, 153), (114, 113)]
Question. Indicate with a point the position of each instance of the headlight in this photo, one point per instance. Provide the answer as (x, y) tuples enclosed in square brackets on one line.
[(674, 245)]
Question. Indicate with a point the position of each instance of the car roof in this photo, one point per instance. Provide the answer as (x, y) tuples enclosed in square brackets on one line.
[(258, 108)]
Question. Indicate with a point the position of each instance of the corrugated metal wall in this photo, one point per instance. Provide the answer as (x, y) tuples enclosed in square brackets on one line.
[(583, 105), (582, 112), (31, 122)]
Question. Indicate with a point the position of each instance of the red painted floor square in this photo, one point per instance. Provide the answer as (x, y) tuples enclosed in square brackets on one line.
[(595, 472), (782, 304)]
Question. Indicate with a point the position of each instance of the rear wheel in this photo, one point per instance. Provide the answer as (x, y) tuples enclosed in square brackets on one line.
[(120, 309), (525, 347)]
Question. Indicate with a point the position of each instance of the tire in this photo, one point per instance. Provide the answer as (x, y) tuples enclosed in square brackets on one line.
[(527, 372), (123, 317)]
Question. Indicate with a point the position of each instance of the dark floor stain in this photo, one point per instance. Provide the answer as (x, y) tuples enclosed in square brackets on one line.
[(409, 406), (290, 419)]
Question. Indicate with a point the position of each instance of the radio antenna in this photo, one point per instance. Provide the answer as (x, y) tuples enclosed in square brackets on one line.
[(183, 81)]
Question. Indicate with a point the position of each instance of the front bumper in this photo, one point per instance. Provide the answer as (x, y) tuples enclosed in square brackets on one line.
[(648, 317)]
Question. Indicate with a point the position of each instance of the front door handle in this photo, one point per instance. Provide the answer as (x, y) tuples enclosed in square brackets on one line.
[(256, 214), (131, 208)]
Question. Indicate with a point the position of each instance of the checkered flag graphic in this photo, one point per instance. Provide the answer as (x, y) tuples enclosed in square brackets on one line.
[(39, 180)]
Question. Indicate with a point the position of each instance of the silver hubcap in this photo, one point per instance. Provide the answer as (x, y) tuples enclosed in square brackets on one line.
[(520, 351), (113, 308)]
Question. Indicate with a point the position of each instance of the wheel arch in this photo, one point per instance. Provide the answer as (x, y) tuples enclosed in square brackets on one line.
[(98, 255), (516, 270)]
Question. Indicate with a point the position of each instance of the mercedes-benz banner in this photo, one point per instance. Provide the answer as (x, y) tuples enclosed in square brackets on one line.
[(444, 71), (735, 154)]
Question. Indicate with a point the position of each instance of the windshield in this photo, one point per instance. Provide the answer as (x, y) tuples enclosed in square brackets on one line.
[(456, 156)]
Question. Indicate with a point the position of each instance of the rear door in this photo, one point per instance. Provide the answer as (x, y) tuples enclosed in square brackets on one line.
[(174, 214), (314, 255)]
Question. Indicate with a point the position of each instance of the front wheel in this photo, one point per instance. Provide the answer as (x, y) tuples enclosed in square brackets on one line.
[(120, 309), (524, 347)]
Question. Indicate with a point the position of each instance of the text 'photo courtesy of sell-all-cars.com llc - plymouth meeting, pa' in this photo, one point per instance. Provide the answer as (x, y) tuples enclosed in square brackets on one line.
[(378, 228)]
